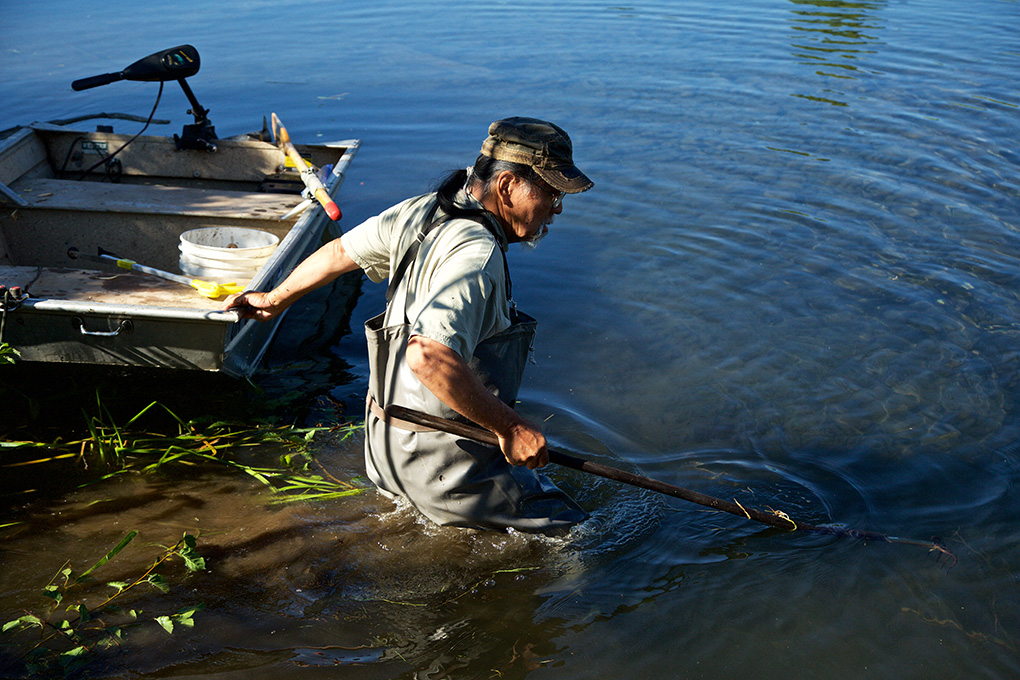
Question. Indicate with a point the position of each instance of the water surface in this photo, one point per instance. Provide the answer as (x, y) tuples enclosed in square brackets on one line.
[(794, 285)]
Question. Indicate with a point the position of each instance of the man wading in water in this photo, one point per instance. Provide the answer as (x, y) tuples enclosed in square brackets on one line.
[(451, 340)]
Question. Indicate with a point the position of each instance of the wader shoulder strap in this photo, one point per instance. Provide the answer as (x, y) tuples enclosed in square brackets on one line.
[(434, 221), (412, 251)]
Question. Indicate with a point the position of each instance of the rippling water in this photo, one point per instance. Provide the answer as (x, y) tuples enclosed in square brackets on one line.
[(794, 285)]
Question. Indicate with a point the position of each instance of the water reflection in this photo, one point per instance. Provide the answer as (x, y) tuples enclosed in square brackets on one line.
[(835, 38)]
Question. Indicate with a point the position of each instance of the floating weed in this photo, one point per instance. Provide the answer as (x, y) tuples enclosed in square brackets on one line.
[(68, 629), (8, 354), (77, 619), (125, 449)]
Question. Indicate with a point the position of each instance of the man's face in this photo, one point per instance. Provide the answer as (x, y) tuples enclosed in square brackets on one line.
[(535, 207)]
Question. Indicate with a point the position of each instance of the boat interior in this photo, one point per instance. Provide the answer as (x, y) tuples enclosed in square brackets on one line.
[(63, 189)]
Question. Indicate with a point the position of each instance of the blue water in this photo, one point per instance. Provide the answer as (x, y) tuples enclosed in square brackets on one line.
[(794, 285)]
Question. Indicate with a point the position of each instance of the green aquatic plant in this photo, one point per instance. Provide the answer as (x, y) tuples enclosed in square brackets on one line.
[(8, 354), (128, 448), (69, 628)]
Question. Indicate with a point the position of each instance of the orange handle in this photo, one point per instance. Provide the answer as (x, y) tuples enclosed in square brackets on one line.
[(307, 174)]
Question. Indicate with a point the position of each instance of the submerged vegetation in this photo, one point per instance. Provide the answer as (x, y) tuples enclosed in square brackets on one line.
[(66, 629), (8, 353), (113, 449), (81, 615)]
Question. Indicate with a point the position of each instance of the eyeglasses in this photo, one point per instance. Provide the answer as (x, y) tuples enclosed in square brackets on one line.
[(557, 196)]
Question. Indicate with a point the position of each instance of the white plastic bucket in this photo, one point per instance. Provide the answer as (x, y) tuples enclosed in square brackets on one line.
[(225, 253)]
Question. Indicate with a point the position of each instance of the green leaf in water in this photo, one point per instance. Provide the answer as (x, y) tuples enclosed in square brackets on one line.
[(185, 616), (72, 656), (167, 624), (192, 560), (24, 622), (53, 592), (110, 555), (159, 583), (81, 610)]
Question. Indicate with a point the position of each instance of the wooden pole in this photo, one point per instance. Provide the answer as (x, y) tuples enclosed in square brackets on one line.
[(477, 434), (774, 518)]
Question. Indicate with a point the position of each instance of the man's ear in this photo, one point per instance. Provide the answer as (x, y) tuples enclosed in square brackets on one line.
[(505, 183)]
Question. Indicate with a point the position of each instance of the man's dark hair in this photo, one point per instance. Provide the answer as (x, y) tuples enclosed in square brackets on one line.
[(485, 170)]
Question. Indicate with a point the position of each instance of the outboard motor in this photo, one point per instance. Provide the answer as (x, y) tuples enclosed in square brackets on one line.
[(177, 63)]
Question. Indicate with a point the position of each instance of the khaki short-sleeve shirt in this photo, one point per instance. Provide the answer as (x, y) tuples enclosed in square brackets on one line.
[(455, 291)]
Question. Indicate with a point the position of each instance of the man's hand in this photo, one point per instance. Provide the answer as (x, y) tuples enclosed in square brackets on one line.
[(320, 268), (252, 305), (447, 376), (524, 445)]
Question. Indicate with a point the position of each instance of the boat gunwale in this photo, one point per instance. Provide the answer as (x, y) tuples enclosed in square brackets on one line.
[(139, 311)]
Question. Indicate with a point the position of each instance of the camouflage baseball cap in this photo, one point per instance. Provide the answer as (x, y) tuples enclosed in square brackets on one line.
[(543, 146)]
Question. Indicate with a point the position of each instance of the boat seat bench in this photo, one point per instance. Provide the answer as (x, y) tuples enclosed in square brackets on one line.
[(138, 221), (158, 199)]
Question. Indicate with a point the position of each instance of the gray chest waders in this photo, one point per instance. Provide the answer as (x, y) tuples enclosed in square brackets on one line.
[(450, 480)]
